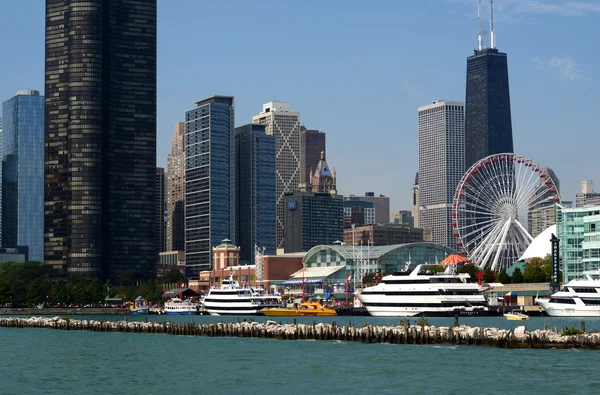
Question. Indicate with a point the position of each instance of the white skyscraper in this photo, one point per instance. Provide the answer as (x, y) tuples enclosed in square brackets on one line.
[(284, 124), (441, 165)]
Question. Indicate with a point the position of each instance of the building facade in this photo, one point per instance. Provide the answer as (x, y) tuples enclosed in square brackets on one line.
[(541, 213), (403, 217), (312, 143), (100, 127), (209, 180), (381, 235), (487, 117), (357, 212), (579, 234), (381, 204), (161, 208), (441, 165), (311, 219), (415, 202), (176, 191), (23, 173), (255, 191), (587, 197), (283, 123)]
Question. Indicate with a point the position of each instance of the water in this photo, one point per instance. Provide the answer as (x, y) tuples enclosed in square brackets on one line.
[(40, 361)]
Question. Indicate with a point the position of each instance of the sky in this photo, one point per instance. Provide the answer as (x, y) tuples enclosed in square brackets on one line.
[(359, 70)]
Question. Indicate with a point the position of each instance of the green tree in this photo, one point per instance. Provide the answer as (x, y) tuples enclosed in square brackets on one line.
[(79, 293), (173, 276), (538, 270), (503, 277), (489, 276), (60, 293), (125, 277), (96, 291), (35, 294), (469, 268), (517, 276)]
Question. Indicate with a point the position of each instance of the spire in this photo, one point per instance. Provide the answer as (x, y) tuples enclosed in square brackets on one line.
[(479, 33), (492, 32)]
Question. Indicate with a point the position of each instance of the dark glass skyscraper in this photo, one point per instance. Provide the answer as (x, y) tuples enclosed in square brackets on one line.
[(100, 127), (255, 191), (23, 173), (209, 180), (488, 126)]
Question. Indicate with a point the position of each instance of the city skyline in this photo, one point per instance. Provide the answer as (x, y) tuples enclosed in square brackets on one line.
[(551, 89)]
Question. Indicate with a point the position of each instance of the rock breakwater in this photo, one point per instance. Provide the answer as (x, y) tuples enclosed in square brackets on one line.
[(407, 334)]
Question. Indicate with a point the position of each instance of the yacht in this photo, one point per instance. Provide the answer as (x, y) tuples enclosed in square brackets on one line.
[(579, 298), (409, 294), (233, 299), (178, 306)]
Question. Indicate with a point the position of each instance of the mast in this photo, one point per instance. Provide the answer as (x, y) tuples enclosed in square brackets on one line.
[(492, 32), (480, 33)]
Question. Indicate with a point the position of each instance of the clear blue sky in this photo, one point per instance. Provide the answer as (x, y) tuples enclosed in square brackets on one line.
[(358, 71)]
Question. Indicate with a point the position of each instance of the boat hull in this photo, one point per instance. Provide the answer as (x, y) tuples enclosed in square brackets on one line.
[(296, 313), (568, 310), (428, 313), (181, 313)]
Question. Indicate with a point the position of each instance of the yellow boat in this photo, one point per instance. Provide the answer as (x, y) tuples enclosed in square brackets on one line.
[(305, 309), (516, 315)]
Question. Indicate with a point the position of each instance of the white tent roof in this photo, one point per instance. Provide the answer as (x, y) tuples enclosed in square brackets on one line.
[(540, 246)]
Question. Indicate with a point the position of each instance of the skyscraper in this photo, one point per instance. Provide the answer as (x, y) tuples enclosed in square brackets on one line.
[(100, 126), (176, 193), (0, 183), (542, 213), (312, 143), (255, 191), (381, 204), (441, 165), (488, 126), (161, 206), (23, 173), (415, 203), (209, 180), (281, 122)]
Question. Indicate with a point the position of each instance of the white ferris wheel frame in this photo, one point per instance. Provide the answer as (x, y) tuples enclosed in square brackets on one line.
[(489, 204)]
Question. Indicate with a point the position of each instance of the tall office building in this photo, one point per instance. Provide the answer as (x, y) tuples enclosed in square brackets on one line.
[(541, 212), (488, 126), (100, 126), (161, 206), (176, 191), (283, 123), (255, 191), (23, 173), (312, 143), (403, 217), (0, 183), (441, 165), (415, 202), (381, 204), (209, 180)]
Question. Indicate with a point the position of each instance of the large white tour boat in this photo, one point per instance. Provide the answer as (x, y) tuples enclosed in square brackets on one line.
[(408, 294), (579, 298), (233, 299)]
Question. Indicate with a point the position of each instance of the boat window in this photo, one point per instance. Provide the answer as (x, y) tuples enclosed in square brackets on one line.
[(584, 290), (591, 302), (562, 300), (423, 281)]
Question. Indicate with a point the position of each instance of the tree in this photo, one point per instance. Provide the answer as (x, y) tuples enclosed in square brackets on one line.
[(503, 277), (538, 270), (173, 276), (35, 294), (517, 276), (469, 268), (125, 277), (96, 291), (79, 293), (59, 292), (489, 276)]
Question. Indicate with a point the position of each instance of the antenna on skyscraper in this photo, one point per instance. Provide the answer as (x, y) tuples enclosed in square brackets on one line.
[(492, 33), (480, 33)]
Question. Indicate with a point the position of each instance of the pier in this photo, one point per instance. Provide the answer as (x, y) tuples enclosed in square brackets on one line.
[(402, 334)]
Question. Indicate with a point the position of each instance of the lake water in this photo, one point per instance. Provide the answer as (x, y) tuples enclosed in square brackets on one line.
[(41, 361)]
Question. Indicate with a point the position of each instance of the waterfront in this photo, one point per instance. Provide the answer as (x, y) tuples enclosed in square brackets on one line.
[(59, 362)]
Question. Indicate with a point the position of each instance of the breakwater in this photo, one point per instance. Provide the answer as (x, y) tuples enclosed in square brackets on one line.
[(403, 334)]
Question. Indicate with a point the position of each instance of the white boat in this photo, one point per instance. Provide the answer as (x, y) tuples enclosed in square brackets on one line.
[(516, 315), (177, 306), (409, 294), (579, 298), (233, 299)]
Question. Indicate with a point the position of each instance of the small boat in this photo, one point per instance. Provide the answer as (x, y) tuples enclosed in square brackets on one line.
[(177, 306), (139, 306), (516, 315), (312, 308)]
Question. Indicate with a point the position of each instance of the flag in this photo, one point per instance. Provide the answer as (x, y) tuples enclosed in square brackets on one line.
[(353, 226)]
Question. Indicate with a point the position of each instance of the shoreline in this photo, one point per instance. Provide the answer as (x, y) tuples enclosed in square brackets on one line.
[(12, 311), (409, 334)]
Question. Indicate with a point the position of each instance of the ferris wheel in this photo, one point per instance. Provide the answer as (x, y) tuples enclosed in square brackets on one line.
[(492, 207)]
